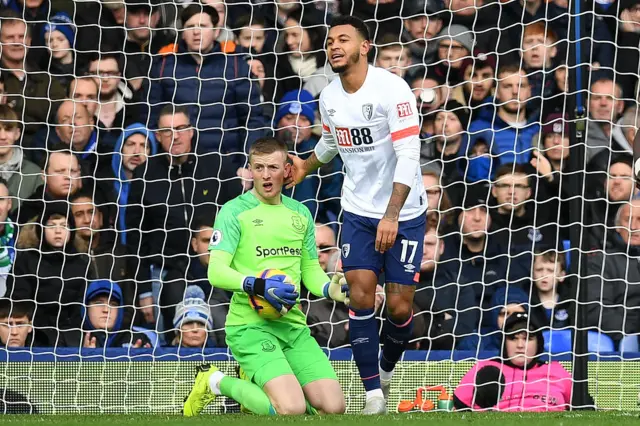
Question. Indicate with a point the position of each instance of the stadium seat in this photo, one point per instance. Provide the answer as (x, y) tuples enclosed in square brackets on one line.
[(560, 341)]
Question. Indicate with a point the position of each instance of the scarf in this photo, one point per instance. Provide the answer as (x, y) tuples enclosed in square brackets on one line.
[(7, 254), (9, 169)]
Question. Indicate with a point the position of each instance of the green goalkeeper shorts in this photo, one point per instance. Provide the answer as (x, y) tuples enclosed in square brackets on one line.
[(272, 349)]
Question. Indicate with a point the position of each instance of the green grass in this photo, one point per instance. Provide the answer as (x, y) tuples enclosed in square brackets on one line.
[(433, 419)]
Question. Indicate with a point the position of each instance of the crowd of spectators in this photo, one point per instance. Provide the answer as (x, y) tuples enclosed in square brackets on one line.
[(124, 126)]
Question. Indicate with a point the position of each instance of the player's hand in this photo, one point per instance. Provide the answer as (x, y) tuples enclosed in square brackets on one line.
[(146, 306), (298, 172), (337, 289), (279, 294), (89, 342), (386, 235)]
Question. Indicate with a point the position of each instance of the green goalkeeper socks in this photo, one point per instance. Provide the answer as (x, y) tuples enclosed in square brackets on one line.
[(247, 394)]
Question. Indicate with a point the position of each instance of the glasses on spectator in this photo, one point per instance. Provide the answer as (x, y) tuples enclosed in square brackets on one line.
[(324, 247), (169, 132), (516, 186)]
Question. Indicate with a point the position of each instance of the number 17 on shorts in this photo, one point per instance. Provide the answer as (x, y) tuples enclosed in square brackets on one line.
[(401, 263)]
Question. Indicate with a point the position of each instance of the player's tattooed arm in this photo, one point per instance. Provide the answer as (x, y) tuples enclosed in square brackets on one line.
[(399, 195), (312, 163)]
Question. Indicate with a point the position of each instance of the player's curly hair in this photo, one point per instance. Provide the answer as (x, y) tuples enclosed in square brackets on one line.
[(356, 23)]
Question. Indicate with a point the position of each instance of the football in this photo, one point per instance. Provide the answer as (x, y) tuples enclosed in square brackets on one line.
[(259, 304)]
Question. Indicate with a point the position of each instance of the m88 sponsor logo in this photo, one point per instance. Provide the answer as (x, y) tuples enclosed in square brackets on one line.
[(355, 137)]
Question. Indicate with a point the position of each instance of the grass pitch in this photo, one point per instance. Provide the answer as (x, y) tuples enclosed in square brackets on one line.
[(602, 418)]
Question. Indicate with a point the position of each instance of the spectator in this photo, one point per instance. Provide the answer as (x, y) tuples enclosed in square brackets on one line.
[(475, 261), (509, 134), (422, 22), (303, 51), (118, 106), (293, 123), (478, 74), (85, 90), (217, 298), (163, 199), (627, 126), (439, 210), (225, 35), (605, 107), (74, 128), (61, 179), (59, 36), (431, 93), (613, 283), (327, 320), (627, 41), (455, 43), (8, 235), (446, 308), (135, 145), (449, 136), (106, 256), (42, 88), (392, 55), (143, 39), (104, 324), (519, 380), (506, 301), (518, 223), (550, 297), (251, 33), (538, 52), (550, 160), (15, 324), (480, 16), (52, 275), (21, 176), (36, 13), (609, 186), (192, 321), (214, 83)]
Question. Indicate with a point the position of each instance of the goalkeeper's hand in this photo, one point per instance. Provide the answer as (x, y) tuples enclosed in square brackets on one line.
[(337, 289), (274, 290)]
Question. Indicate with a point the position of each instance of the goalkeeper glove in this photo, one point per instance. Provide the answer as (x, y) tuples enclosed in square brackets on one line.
[(274, 290), (337, 289)]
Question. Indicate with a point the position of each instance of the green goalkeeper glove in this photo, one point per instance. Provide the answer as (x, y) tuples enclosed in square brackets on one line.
[(337, 289)]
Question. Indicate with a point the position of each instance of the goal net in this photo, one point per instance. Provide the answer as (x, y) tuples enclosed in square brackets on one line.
[(126, 124)]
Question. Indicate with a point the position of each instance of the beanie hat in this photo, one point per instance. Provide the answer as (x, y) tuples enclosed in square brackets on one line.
[(296, 102), (193, 308), (459, 33), (460, 111), (104, 287), (555, 123), (63, 23)]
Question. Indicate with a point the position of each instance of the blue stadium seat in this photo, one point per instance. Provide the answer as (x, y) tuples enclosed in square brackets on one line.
[(566, 245), (558, 341)]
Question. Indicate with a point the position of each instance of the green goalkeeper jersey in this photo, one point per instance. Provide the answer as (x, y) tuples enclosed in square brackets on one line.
[(259, 236)]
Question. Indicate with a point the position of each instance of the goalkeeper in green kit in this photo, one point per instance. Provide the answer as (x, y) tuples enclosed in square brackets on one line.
[(285, 371)]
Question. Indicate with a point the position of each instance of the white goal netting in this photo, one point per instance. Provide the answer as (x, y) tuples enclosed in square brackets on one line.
[(105, 303)]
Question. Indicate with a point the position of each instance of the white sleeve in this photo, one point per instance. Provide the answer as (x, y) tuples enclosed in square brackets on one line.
[(404, 126), (326, 147)]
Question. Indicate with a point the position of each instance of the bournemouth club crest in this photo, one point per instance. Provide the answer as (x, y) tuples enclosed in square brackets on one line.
[(367, 111)]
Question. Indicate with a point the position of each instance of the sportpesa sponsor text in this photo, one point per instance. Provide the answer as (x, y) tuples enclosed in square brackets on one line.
[(279, 251)]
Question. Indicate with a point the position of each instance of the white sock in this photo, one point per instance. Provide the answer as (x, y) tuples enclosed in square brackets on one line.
[(374, 393), (386, 375), (214, 382)]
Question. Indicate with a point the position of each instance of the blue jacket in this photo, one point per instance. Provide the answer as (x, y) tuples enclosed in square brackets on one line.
[(506, 143), (121, 184), (223, 102), (325, 185)]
